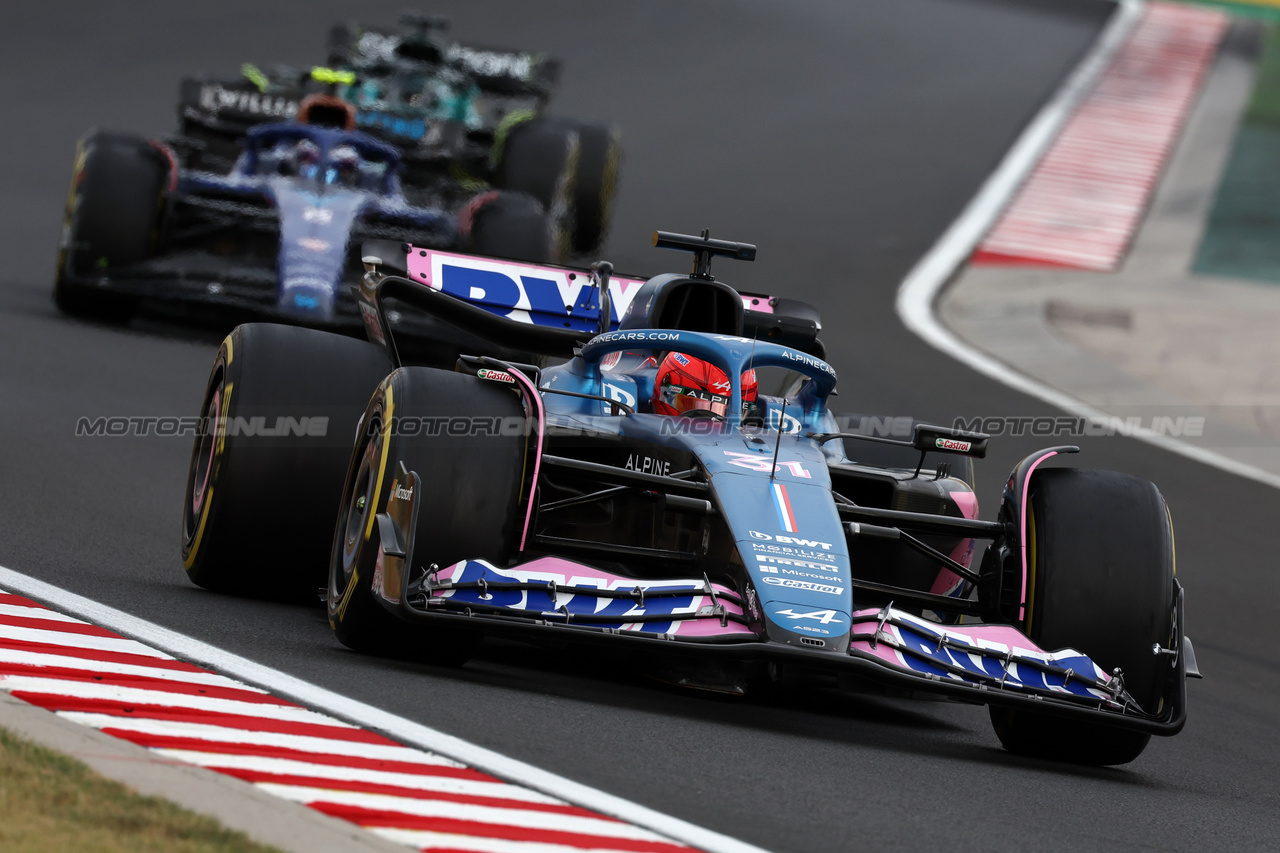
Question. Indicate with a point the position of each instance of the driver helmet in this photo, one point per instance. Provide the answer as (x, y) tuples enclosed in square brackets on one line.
[(685, 384), (344, 166), (305, 159)]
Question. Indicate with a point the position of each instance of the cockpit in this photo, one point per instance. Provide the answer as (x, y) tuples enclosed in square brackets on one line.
[(321, 156)]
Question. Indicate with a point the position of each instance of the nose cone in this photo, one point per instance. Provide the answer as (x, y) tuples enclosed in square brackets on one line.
[(314, 231), (778, 505)]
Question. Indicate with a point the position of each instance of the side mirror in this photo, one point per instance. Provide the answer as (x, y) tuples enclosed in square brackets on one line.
[(938, 439)]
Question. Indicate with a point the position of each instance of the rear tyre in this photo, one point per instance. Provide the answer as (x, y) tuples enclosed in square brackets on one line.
[(1100, 564), (468, 491), (599, 159), (509, 225), (259, 508), (112, 219), (540, 157)]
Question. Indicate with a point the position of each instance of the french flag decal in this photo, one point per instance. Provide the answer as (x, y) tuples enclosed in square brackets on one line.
[(782, 502)]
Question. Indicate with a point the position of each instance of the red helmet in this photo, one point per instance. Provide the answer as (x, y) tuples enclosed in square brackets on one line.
[(686, 384)]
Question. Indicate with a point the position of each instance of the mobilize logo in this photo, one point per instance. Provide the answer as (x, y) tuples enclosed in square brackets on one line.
[(788, 551), (789, 540), (952, 444)]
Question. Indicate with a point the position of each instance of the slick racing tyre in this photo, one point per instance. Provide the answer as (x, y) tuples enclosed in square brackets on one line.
[(1100, 562), (599, 159), (114, 206), (540, 157), (466, 501), (509, 225), (279, 415)]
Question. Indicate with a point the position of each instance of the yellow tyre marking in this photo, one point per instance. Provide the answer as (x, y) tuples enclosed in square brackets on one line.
[(368, 528), (382, 463), (218, 447), (346, 597)]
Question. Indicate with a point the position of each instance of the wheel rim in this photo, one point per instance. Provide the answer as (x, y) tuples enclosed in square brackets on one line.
[(359, 504), (202, 459)]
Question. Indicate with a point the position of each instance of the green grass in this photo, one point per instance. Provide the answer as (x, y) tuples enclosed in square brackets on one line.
[(51, 803), (1242, 235), (1243, 8), (1264, 106)]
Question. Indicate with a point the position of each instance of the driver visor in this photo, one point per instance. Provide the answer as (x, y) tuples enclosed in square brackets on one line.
[(685, 399)]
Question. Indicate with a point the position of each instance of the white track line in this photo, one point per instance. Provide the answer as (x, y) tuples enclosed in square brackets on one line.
[(367, 716), (516, 818), (427, 840), (920, 289)]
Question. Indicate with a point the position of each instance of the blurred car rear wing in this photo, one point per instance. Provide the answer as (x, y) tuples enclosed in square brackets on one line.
[(541, 308)]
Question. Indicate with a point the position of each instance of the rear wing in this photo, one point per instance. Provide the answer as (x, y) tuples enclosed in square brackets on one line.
[(507, 72), (547, 309)]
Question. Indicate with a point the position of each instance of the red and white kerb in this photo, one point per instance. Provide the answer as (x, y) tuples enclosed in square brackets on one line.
[(1083, 203), (184, 713)]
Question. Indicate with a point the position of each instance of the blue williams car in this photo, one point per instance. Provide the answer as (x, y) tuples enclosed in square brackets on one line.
[(646, 493), (275, 237)]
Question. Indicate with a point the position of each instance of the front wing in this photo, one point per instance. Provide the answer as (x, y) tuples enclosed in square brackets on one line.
[(554, 597)]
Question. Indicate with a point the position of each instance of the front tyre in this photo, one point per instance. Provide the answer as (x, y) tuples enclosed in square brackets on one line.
[(278, 417), (465, 439), (114, 206), (1100, 564)]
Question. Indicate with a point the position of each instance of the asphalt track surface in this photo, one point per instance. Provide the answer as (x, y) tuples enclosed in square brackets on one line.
[(842, 137)]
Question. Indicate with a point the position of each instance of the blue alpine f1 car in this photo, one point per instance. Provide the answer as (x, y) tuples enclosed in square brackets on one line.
[(638, 488), (277, 236)]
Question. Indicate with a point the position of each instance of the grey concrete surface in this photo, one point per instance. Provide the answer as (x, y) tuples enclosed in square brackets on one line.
[(1151, 339), (236, 804)]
